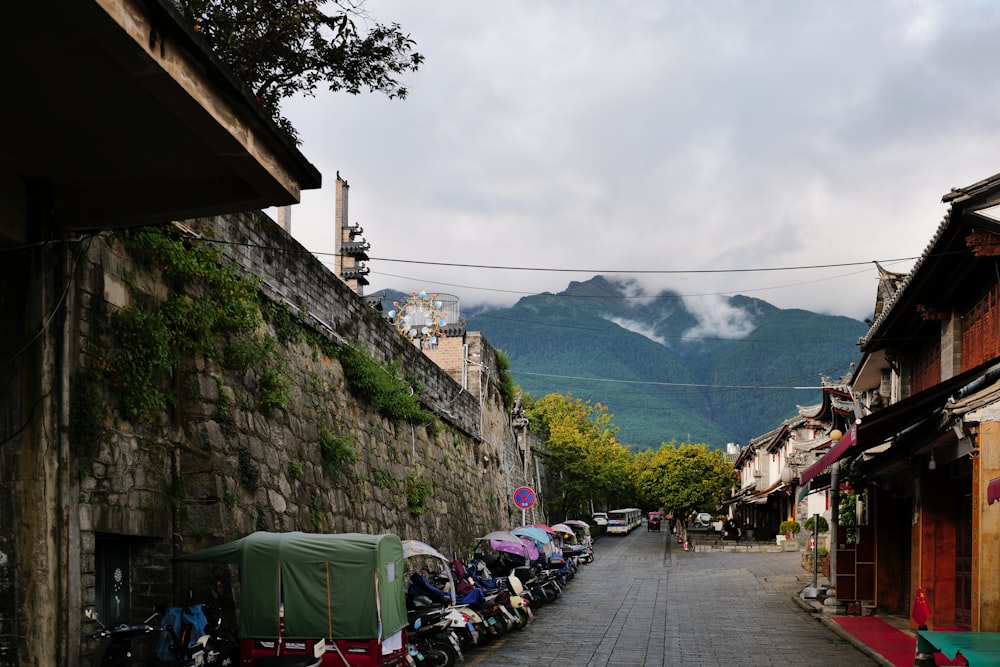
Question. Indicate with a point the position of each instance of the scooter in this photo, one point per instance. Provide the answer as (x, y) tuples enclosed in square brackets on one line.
[(118, 652)]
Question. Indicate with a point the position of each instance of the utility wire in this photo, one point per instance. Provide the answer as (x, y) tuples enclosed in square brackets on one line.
[(638, 271), (664, 384)]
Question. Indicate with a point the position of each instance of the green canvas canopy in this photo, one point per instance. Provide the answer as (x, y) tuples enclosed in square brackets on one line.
[(341, 586)]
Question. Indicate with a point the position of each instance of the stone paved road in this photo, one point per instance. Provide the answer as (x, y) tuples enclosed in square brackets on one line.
[(646, 602)]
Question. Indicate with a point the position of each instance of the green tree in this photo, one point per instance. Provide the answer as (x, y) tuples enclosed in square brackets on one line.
[(282, 48), (586, 462), (684, 478)]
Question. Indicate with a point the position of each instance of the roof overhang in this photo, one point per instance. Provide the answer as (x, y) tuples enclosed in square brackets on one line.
[(880, 426), (117, 114), (832, 456)]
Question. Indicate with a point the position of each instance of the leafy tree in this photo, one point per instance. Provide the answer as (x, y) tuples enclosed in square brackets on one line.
[(281, 48), (586, 461), (684, 478)]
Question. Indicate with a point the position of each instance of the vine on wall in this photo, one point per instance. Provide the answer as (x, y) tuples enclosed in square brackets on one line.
[(212, 311), (382, 386)]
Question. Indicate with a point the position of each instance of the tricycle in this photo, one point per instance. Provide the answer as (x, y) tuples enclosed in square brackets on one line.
[(301, 590), (653, 520)]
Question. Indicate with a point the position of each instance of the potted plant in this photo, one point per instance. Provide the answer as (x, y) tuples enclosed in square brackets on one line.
[(824, 525), (789, 529)]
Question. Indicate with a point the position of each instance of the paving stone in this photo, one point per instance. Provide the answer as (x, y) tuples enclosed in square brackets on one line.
[(644, 601)]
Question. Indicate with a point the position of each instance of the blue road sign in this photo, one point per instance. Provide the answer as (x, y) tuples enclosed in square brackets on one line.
[(524, 497)]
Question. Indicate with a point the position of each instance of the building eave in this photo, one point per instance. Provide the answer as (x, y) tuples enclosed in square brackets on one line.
[(119, 115)]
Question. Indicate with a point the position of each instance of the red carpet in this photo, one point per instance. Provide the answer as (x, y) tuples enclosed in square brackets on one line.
[(893, 644)]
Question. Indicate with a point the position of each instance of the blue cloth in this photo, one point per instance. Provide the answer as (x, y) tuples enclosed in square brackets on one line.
[(172, 628)]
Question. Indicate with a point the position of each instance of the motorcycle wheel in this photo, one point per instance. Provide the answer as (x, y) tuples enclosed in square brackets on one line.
[(500, 626), (445, 647), (434, 657)]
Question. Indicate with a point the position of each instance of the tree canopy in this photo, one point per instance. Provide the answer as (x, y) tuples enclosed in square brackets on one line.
[(587, 464), (685, 478), (281, 48)]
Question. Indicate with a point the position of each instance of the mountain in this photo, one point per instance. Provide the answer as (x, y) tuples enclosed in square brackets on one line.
[(714, 369)]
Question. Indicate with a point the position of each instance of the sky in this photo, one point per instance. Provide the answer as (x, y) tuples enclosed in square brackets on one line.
[(703, 146)]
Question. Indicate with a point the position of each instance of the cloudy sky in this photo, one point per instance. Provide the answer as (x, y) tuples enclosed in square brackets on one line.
[(663, 141)]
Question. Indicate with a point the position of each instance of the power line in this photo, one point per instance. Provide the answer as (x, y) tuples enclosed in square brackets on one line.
[(634, 271), (665, 384)]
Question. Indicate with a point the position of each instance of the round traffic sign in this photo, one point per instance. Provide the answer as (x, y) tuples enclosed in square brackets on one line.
[(524, 497)]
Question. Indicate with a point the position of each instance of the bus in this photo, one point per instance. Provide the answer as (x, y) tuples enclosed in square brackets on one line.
[(624, 521)]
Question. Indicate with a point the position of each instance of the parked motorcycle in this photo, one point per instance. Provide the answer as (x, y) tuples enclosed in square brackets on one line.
[(430, 641), (118, 651)]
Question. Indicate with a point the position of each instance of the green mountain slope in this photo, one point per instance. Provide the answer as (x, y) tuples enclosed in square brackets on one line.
[(648, 357)]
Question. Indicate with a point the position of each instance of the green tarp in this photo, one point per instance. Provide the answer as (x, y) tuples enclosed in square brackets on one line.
[(328, 584)]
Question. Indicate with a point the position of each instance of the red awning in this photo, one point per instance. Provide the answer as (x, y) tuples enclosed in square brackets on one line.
[(831, 457), (993, 491)]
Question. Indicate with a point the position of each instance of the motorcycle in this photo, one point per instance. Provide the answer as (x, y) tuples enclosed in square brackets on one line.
[(118, 652), (431, 642)]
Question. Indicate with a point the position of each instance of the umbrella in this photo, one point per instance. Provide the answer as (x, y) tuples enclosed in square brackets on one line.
[(499, 535), (517, 548), (576, 522), (565, 532), (536, 534), (547, 529), (412, 548), (503, 536), (529, 547)]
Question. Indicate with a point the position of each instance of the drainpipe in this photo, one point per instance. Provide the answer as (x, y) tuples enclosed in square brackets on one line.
[(68, 486), (834, 518)]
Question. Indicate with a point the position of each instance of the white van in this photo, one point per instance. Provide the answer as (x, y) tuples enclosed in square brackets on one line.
[(600, 518)]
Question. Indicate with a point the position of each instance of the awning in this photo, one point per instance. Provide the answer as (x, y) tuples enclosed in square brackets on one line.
[(818, 483), (741, 494), (879, 426), (993, 491), (760, 497), (831, 457)]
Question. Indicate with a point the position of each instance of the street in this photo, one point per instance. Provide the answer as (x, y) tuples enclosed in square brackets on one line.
[(645, 601)]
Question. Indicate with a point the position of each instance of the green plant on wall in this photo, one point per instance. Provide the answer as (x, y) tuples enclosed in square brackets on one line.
[(381, 386), (275, 388), (87, 429), (286, 327), (417, 491), (295, 469), (224, 412), (335, 450), (139, 361), (508, 390), (209, 304)]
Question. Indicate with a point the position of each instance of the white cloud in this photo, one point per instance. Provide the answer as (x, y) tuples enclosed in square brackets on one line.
[(636, 135), (718, 319), (639, 328)]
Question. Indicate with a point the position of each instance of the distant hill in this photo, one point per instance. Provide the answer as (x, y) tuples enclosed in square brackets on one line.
[(668, 368)]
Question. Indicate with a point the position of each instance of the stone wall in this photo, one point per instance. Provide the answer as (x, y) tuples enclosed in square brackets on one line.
[(216, 466)]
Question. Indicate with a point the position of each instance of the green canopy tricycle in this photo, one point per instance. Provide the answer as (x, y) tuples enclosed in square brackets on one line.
[(299, 588)]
